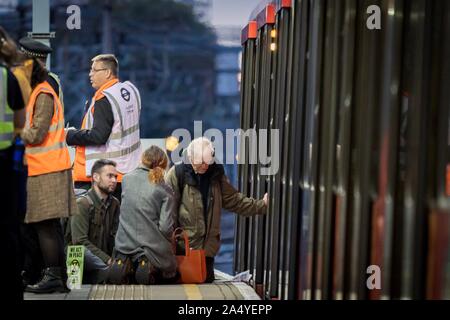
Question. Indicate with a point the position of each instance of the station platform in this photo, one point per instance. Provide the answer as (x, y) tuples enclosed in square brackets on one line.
[(223, 288)]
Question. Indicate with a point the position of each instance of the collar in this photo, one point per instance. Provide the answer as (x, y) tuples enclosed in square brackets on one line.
[(214, 172), (99, 93), (97, 200)]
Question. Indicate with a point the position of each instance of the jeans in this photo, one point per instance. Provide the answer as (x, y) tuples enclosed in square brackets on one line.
[(95, 270)]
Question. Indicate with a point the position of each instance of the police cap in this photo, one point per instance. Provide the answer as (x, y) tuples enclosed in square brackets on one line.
[(34, 48)]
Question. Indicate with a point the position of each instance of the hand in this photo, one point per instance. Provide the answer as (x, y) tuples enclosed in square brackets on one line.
[(70, 128), (266, 200), (66, 130), (110, 261)]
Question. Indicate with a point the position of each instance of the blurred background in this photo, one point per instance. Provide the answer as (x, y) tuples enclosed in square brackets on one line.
[(183, 55)]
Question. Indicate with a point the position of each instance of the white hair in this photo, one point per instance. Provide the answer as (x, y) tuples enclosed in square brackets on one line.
[(198, 148)]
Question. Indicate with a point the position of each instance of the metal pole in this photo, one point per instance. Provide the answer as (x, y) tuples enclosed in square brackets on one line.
[(107, 28), (41, 24)]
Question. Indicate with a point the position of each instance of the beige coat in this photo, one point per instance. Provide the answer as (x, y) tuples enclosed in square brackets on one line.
[(222, 195), (49, 196)]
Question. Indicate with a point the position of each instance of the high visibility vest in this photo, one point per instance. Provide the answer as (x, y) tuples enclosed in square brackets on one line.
[(6, 113), (124, 144), (52, 155), (60, 92)]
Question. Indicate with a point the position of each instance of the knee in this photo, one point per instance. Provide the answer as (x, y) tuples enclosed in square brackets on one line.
[(120, 270)]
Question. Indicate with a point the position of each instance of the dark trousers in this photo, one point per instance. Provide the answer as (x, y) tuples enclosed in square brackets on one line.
[(209, 269), (31, 257), (87, 185), (32, 263), (9, 231), (51, 242)]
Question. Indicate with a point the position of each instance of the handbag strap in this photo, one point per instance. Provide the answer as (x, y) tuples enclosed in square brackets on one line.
[(175, 235)]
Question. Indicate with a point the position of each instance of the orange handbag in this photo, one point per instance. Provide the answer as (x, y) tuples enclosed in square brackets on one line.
[(192, 265)]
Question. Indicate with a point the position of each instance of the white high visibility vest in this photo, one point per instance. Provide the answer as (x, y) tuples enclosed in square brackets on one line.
[(124, 144)]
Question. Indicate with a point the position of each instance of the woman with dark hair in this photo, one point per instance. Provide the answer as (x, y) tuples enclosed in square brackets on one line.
[(50, 194), (147, 214)]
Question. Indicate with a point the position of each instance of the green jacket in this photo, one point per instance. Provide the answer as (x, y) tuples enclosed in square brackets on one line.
[(221, 195), (96, 224)]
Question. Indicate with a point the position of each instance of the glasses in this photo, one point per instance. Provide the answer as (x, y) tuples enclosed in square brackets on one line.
[(97, 70)]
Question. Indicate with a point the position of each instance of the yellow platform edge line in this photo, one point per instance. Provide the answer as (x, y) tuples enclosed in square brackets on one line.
[(192, 292)]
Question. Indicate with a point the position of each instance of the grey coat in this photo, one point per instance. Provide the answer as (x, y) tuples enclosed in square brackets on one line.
[(147, 216)]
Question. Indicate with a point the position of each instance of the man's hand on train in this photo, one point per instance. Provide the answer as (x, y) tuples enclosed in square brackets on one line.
[(266, 199)]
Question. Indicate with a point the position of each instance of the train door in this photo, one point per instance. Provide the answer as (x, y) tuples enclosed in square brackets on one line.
[(247, 93), (343, 147), (310, 147), (389, 111), (363, 151), (438, 173)]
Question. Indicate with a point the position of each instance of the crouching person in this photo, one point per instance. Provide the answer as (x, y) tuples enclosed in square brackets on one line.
[(203, 190), (96, 224), (143, 249)]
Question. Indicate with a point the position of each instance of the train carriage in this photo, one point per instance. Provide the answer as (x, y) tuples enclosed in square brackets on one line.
[(360, 205)]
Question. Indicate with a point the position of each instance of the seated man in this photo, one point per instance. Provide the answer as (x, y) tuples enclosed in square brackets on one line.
[(96, 225), (203, 189)]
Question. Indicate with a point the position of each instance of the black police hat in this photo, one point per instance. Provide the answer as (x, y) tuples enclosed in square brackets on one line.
[(34, 48)]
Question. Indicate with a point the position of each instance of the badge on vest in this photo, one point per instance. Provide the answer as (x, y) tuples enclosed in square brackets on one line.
[(75, 263), (125, 94)]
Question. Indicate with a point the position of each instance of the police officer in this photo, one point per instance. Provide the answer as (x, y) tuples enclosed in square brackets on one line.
[(11, 105), (35, 49), (32, 261), (50, 194)]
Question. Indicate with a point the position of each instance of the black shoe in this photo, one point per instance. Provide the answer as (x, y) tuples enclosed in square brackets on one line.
[(119, 271), (25, 279), (144, 272), (51, 281), (165, 279), (29, 278)]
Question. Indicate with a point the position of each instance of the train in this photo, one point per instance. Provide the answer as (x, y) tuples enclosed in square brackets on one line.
[(360, 206)]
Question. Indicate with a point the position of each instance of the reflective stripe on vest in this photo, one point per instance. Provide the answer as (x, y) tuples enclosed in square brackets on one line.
[(114, 154), (52, 155), (60, 92), (36, 150), (6, 114)]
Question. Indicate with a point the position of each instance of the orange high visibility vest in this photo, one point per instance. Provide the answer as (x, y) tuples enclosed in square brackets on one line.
[(52, 155), (79, 165)]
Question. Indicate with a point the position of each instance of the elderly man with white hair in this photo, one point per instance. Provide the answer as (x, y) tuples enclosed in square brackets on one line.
[(203, 190)]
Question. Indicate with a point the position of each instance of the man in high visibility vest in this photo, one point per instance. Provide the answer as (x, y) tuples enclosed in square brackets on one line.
[(11, 105), (110, 127)]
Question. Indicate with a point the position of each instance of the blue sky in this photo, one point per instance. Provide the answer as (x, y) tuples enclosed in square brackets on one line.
[(232, 12)]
